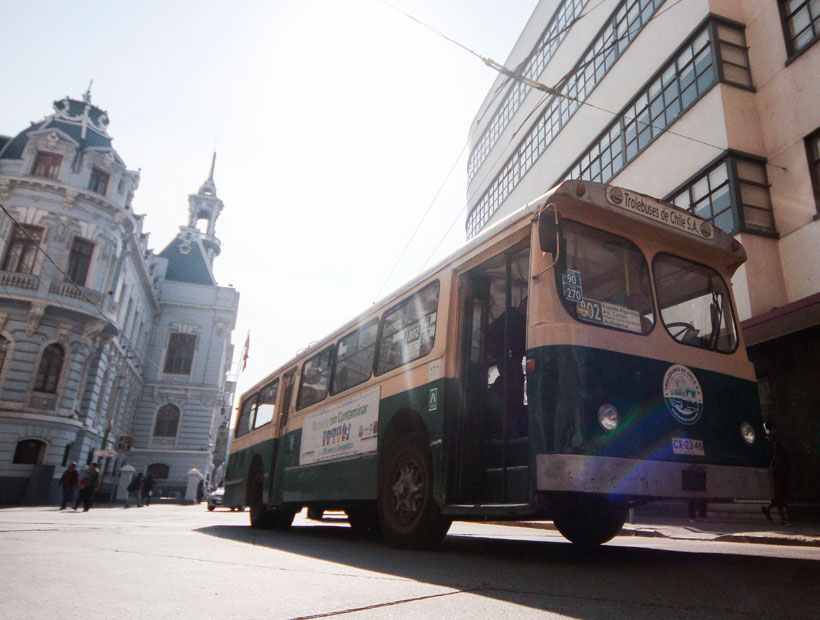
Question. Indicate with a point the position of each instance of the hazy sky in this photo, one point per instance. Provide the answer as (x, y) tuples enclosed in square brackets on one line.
[(335, 124)]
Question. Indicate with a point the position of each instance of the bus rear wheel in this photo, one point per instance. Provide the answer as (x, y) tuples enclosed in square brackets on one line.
[(408, 513), (589, 521), (363, 519), (261, 517)]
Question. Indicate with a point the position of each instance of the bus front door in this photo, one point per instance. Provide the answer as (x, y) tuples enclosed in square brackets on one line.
[(493, 437)]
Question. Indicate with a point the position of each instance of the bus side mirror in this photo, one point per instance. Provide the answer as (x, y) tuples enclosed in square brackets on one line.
[(549, 226)]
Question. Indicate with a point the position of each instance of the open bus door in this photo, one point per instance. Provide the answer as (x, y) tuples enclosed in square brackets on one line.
[(492, 429)]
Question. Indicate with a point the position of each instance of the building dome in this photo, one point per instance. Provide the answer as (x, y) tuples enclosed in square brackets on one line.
[(80, 121)]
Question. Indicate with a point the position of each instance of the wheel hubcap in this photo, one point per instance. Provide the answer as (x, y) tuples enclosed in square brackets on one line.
[(408, 491)]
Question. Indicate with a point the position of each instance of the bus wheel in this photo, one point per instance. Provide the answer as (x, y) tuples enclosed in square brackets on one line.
[(590, 521), (363, 519), (408, 513), (261, 517), (281, 519)]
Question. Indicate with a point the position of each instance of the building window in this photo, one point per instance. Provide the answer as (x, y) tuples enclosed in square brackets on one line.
[(98, 182), (78, 260), (813, 153), (801, 23), (733, 194), (22, 250), (167, 421), (66, 454), (180, 354), (159, 471), (48, 373), (46, 165), (623, 26), (29, 452), (734, 55)]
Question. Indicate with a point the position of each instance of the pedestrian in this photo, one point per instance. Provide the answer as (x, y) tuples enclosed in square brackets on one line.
[(779, 473), (135, 491), (697, 508), (147, 487), (200, 491), (88, 487), (69, 481)]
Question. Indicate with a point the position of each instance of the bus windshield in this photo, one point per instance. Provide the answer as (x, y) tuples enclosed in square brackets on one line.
[(694, 304), (605, 280)]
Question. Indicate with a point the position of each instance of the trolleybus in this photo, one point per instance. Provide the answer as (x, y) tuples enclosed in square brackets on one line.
[(578, 358)]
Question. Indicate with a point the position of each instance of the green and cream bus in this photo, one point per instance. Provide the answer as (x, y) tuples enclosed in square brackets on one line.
[(578, 358)]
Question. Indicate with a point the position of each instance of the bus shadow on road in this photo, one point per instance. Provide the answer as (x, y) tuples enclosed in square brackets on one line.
[(552, 575)]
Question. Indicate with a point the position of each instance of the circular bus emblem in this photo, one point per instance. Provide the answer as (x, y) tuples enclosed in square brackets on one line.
[(682, 394), (706, 230), (615, 195)]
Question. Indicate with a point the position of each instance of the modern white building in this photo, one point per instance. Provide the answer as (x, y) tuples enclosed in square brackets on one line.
[(710, 104), (104, 345)]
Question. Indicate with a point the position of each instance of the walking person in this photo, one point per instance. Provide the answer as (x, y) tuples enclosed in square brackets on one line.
[(147, 487), (88, 487), (779, 471), (69, 481), (135, 491)]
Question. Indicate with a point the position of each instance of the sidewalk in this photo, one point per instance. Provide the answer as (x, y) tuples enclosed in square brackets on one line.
[(801, 534)]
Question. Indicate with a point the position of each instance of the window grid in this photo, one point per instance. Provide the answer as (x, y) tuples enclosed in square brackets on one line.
[(624, 25), (79, 260), (180, 355), (167, 421), (724, 192), (553, 35), (801, 23), (682, 82)]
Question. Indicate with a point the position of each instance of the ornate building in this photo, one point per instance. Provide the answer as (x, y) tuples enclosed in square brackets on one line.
[(103, 343)]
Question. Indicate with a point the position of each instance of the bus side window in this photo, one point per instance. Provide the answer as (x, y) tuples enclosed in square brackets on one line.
[(408, 330), (245, 421), (287, 385), (266, 406)]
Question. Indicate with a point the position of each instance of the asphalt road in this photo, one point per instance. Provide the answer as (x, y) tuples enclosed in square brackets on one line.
[(184, 562)]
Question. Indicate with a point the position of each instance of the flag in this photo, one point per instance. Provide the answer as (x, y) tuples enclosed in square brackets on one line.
[(245, 351)]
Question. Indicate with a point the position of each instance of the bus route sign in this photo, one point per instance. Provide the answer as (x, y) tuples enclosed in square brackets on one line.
[(659, 212)]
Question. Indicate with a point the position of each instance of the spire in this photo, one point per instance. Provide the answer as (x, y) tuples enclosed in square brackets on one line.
[(209, 187), (87, 95)]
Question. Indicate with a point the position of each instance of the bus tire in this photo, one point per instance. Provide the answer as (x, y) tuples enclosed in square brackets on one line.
[(408, 513), (363, 519), (590, 521), (261, 517), (281, 518)]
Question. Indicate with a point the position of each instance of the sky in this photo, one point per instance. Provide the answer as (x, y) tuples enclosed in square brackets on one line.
[(336, 126)]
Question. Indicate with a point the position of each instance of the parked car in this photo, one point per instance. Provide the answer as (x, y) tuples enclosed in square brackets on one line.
[(215, 499)]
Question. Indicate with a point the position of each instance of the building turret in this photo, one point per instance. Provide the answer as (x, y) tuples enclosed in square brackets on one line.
[(204, 205)]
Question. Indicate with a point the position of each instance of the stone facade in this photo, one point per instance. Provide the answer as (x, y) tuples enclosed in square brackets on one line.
[(101, 339)]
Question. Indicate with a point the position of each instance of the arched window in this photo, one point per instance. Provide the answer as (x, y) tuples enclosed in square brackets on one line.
[(48, 374), (29, 452), (167, 421), (158, 470)]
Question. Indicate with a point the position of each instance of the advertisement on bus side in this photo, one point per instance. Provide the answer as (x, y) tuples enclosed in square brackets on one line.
[(343, 429)]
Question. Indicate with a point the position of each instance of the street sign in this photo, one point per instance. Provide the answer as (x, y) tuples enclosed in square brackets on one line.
[(110, 454)]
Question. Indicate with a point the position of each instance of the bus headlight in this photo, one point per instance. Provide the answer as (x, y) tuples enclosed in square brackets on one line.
[(747, 431), (608, 417)]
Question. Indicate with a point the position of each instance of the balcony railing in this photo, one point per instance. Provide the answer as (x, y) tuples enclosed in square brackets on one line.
[(26, 281), (80, 293)]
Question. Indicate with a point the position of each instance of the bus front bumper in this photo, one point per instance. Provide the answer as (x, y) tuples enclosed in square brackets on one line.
[(645, 478)]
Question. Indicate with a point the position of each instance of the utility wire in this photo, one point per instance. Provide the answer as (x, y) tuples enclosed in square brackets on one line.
[(430, 206)]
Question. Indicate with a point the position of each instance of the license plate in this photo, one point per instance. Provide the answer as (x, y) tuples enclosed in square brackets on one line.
[(687, 446)]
